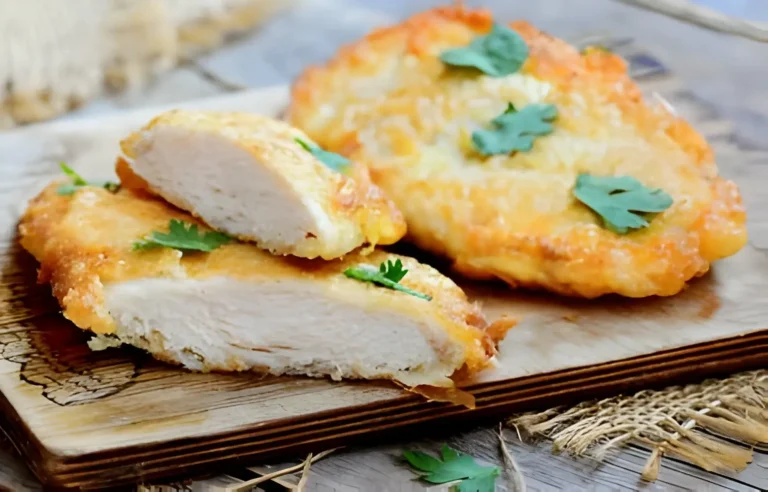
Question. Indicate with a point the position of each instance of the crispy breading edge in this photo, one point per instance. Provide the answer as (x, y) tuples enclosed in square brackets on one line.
[(354, 195), (550, 58), (69, 269), (559, 63), (74, 273)]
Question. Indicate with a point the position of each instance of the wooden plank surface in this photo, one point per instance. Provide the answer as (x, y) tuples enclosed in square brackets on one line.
[(748, 103), (379, 467), (365, 469)]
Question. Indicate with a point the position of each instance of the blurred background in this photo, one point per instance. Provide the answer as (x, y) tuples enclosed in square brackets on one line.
[(76, 58)]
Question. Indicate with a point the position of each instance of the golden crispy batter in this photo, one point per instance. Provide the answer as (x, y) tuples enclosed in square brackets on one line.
[(84, 243), (344, 210), (389, 102)]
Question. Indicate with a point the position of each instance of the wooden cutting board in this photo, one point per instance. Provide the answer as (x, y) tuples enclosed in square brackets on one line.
[(84, 419)]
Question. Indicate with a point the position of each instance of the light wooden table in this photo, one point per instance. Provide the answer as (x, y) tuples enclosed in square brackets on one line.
[(729, 73)]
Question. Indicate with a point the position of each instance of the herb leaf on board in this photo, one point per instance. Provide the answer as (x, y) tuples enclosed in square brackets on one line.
[(452, 467), (515, 130), (388, 275), (501, 52), (332, 160), (77, 182), (620, 201), (183, 236)]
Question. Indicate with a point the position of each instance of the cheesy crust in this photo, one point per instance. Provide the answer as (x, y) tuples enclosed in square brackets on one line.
[(84, 245), (389, 102), (342, 210)]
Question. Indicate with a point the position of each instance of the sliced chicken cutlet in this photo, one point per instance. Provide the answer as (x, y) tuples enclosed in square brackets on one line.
[(239, 308), (261, 180), (522, 159)]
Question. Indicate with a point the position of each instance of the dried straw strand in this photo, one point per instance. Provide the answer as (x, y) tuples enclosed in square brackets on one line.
[(704, 17), (248, 485), (304, 474), (515, 474), (670, 421)]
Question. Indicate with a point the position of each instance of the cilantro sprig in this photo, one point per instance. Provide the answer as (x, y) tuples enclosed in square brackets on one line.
[(388, 275), (77, 182), (515, 130), (499, 53), (334, 161), (621, 201), (183, 236), (453, 466)]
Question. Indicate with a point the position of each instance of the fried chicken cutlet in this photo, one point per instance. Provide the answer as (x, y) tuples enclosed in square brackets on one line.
[(260, 180), (521, 159), (234, 307)]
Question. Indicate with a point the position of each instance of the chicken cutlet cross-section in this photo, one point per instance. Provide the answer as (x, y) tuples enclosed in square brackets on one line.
[(260, 180), (231, 306), (500, 165)]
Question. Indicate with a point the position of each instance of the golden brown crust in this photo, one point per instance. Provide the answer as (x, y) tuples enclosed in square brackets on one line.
[(408, 117), (79, 249), (355, 207), (84, 242), (129, 179)]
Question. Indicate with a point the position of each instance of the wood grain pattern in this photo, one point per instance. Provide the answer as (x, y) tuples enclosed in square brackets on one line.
[(366, 470), (379, 467), (95, 419)]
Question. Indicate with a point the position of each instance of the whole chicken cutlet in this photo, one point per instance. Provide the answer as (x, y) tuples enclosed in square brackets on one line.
[(522, 159), (236, 307), (261, 180)]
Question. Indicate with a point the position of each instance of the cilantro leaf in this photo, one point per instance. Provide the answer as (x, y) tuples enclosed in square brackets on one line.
[(478, 484), (183, 236), (453, 466), (67, 189), (393, 271), (501, 52), (334, 161), (515, 130), (388, 275), (448, 454), (77, 182), (422, 461), (620, 200)]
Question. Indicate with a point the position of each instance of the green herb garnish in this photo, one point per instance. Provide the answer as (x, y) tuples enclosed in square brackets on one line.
[(183, 236), (78, 182), (454, 466), (388, 275), (501, 52), (620, 200), (334, 161), (515, 130)]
